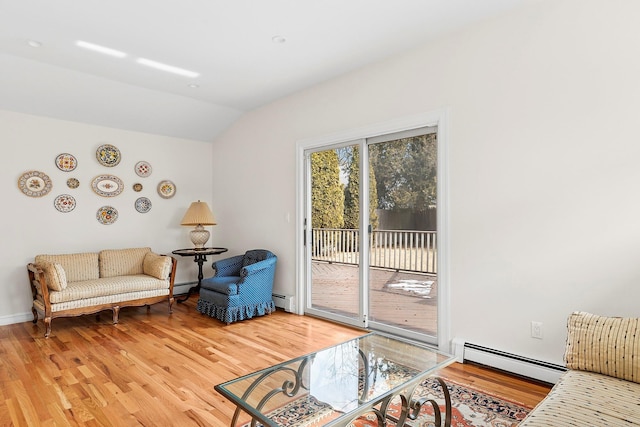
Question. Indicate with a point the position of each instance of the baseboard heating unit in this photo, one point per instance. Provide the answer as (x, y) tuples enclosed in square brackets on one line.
[(531, 368), (285, 302)]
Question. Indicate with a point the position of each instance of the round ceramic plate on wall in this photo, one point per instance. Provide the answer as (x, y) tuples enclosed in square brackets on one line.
[(143, 205), (107, 215), (107, 185), (35, 184), (108, 155), (73, 183), (66, 162), (143, 169), (166, 189), (64, 203), (137, 187)]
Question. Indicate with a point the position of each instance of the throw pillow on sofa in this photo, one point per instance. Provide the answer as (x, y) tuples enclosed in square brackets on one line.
[(605, 345), (158, 266), (54, 274)]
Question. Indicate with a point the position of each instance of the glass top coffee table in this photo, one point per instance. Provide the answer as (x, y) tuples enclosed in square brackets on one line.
[(335, 386)]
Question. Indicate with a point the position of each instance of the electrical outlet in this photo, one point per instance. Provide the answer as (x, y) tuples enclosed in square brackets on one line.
[(536, 330)]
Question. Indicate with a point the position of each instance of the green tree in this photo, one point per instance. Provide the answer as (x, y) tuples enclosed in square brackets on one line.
[(406, 172), (352, 193), (327, 196)]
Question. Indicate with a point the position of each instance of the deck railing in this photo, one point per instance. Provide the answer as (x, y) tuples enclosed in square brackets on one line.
[(394, 249)]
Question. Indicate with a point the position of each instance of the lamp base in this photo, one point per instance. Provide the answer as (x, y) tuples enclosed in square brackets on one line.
[(199, 236)]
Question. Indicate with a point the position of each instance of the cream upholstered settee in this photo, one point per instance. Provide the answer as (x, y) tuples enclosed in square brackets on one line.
[(84, 283), (601, 386)]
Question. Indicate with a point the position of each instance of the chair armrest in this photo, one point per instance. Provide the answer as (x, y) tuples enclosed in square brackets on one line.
[(172, 274), (38, 282), (258, 266), (228, 266)]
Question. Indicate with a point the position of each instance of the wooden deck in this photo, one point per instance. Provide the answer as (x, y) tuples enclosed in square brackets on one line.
[(335, 289)]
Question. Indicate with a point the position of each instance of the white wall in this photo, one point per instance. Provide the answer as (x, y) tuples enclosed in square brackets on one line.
[(544, 105), (32, 226)]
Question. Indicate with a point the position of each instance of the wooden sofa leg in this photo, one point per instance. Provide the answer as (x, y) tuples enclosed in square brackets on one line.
[(116, 312), (35, 314), (47, 324), (171, 305)]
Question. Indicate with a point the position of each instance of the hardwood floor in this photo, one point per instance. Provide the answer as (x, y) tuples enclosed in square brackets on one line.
[(153, 369), (525, 392)]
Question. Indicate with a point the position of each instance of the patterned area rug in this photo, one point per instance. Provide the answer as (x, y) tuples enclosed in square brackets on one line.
[(470, 408)]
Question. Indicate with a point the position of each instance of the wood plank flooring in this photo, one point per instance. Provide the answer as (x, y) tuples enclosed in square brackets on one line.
[(155, 369)]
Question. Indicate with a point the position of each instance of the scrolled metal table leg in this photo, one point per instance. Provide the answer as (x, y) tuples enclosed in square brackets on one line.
[(289, 388), (416, 405)]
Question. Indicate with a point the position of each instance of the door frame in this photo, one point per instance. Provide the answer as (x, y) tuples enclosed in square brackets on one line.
[(439, 118)]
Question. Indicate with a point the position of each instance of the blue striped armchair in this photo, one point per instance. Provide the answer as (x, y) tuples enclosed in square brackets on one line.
[(240, 288)]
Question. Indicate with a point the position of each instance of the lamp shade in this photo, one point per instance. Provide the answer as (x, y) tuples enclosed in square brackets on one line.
[(198, 214)]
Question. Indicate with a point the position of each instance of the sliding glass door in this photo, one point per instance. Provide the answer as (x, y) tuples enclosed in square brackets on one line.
[(371, 249), (333, 260), (402, 276)]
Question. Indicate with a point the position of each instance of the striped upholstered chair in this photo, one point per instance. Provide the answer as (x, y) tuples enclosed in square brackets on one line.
[(240, 288)]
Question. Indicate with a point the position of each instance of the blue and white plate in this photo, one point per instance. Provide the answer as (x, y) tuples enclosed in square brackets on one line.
[(143, 205)]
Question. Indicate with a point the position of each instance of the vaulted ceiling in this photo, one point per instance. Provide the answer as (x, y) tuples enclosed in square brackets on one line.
[(246, 53)]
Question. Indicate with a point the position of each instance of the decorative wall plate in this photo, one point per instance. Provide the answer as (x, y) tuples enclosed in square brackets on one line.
[(143, 169), (137, 187), (143, 205), (66, 162), (73, 183), (108, 155), (107, 185), (107, 215), (166, 189), (35, 184), (64, 203)]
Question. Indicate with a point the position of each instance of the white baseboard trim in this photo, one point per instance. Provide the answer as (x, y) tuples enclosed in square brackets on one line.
[(530, 368), (285, 302), (16, 318), (182, 288)]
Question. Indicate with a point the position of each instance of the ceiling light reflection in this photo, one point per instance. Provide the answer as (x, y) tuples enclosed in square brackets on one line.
[(167, 68), (100, 49)]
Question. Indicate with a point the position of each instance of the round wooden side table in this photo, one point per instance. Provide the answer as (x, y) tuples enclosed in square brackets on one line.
[(200, 257)]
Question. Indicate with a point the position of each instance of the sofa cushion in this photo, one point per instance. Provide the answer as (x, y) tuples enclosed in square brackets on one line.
[(113, 300), (158, 266), (605, 345), (122, 262), (109, 286), (54, 275), (77, 267), (587, 399)]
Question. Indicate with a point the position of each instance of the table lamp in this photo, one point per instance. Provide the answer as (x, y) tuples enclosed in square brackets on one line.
[(199, 215)]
